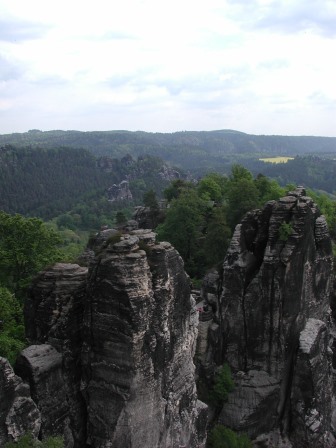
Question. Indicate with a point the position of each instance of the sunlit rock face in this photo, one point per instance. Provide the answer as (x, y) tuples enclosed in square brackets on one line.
[(140, 332), (273, 312)]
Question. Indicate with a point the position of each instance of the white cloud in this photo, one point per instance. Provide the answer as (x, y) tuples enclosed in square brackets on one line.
[(262, 66)]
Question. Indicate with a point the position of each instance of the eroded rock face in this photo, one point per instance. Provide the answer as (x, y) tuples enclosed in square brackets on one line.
[(18, 412), (274, 317), (140, 331), (54, 315), (113, 351), (41, 367), (120, 192), (142, 215)]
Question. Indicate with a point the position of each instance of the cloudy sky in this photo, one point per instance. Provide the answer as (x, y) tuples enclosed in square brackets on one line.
[(257, 66)]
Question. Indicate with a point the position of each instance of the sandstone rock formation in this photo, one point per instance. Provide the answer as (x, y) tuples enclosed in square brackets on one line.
[(120, 192), (54, 315), (18, 412), (274, 321), (112, 360), (168, 173), (41, 367), (139, 339), (142, 215)]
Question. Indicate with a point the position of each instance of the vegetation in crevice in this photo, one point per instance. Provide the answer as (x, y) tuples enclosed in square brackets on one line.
[(285, 230), (28, 441)]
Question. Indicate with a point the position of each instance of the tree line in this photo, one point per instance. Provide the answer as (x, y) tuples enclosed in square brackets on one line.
[(201, 217)]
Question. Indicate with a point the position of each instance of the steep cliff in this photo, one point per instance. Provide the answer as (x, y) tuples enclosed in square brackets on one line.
[(139, 337), (273, 325), (112, 360)]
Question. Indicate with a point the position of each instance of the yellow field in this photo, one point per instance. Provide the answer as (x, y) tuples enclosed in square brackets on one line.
[(276, 159)]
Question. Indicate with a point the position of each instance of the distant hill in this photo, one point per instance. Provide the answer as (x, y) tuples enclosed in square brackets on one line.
[(43, 182), (195, 151)]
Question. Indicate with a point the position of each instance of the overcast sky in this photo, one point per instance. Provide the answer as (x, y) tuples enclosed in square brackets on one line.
[(257, 66)]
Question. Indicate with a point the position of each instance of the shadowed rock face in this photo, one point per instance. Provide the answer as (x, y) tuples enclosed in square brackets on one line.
[(18, 412), (116, 348), (41, 366), (140, 331), (274, 319), (54, 315)]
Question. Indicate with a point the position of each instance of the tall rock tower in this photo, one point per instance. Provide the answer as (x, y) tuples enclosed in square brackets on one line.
[(273, 325), (112, 360)]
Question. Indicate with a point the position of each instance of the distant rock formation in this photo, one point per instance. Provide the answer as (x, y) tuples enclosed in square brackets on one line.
[(168, 173), (112, 360), (272, 324), (120, 192)]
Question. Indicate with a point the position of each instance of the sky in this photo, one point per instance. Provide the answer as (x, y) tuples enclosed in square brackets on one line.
[(256, 66)]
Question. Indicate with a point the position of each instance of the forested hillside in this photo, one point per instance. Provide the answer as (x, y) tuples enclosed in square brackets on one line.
[(47, 182), (196, 151), (310, 171)]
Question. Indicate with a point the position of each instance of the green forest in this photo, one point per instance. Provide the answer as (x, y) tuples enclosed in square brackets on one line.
[(197, 152), (199, 220), (54, 199)]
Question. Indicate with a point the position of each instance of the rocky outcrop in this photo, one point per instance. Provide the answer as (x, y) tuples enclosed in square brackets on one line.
[(140, 335), (120, 192), (54, 315), (18, 412), (168, 173), (41, 367), (273, 317), (142, 215), (112, 360)]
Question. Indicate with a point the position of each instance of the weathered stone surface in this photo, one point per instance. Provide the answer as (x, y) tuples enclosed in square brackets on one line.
[(145, 235), (140, 331), (273, 439), (54, 315), (276, 288), (168, 173), (101, 238), (251, 407), (18, 412), (120, 192), (313, 388), (54, 308), (41, 367), (142, 215), (135, 367)]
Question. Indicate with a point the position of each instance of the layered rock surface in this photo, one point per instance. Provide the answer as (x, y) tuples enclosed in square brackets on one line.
[(54, 317), (139, 339), (18, 412), (273, 315), (112, 360)]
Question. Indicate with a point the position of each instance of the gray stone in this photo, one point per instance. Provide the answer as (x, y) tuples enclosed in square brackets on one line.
[(274, 316), (139, 340), (120, 192), (41, 367), (252, 406), (18, 412), (129, 353)]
